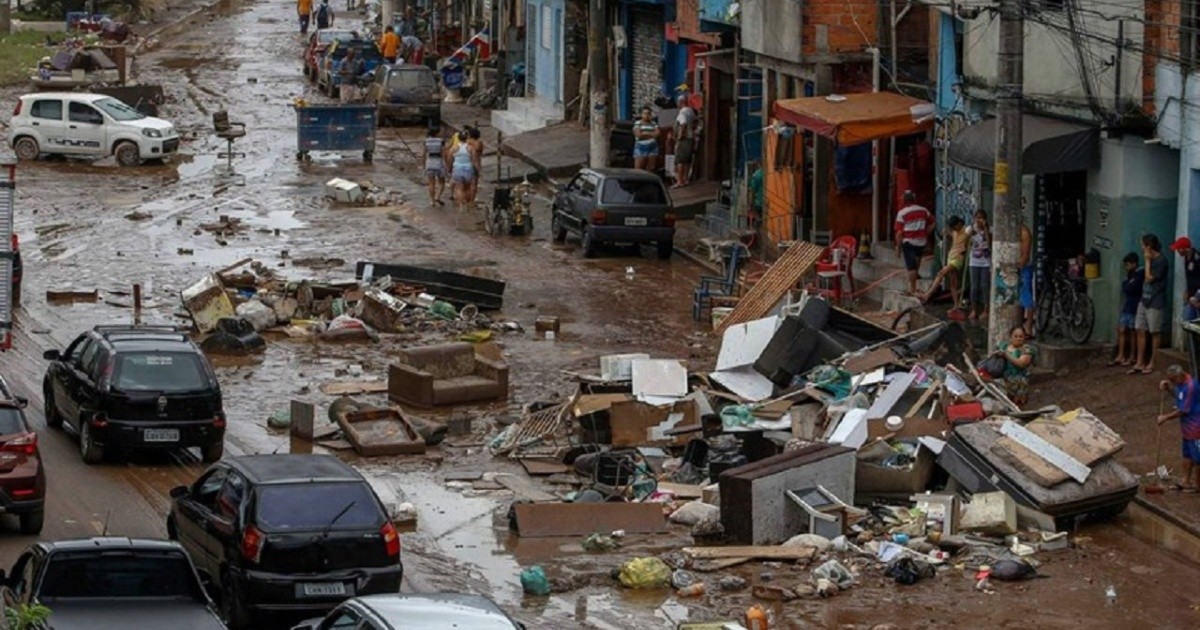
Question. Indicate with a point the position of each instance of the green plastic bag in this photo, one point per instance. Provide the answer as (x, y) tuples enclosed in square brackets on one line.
[(534, 581), (647, 572)]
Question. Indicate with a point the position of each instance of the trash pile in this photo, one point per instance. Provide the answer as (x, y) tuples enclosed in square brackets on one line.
[(234, 305), (822, 441)]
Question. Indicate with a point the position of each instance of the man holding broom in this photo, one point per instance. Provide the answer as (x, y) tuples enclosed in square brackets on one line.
[(1187, 411)]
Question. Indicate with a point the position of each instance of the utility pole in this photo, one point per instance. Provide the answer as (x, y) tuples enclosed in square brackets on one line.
[(1006, 240), (598, 82)]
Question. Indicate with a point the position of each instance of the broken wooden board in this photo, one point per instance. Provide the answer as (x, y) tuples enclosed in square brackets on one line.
[(375, 432), (544, 467), (761, 552), (634, 423), (337, 445), (542, 520), (523, 489), (591, 403), (772, 410), (681, 490), (1044, 450), (720, 564), (1079, 434), (349, 389), (882, 407), (72, 296), (774, 285), (880, 357)]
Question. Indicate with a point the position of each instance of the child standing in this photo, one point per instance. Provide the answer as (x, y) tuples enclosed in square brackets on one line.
[(955, 260), (1187, 411), (980, 265), (1131, 294)]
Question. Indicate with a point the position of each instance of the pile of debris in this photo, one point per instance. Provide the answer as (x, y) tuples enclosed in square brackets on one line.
[(820, 439)]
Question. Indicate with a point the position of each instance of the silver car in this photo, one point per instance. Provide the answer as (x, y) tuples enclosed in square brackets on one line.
[(433, 611)]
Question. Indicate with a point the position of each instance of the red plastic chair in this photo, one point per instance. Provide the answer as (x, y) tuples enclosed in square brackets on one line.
[(837, 266)]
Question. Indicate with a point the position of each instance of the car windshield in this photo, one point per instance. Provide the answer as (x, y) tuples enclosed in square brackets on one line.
[(367, 51), (159, 372), (10, 421), (118, 110), (410, 79), (633, 191), (326, 37), (119, 574), (306, 507)]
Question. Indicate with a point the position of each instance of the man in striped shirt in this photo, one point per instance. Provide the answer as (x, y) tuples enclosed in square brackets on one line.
[(914, 224)]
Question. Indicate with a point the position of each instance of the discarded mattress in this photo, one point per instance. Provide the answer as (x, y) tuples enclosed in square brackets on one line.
[(969, 459), (456, 288)]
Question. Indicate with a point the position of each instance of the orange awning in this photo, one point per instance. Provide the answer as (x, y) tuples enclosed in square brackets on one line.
[(850, 119)]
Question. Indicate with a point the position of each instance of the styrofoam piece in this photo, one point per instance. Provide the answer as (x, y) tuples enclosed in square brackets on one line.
[(344, 191), (746, 382), (742, 344), (619, 367), (659, 377), (852, 430)]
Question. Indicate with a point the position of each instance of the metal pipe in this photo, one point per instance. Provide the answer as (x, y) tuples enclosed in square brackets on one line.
[(875, 154)]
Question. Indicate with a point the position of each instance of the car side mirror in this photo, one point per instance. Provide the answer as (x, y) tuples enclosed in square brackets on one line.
[(178, 492), (52, 355)]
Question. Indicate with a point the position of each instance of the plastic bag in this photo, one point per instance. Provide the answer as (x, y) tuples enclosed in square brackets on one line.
[(598, 542), (907, 570), (646, 572), (534, 581), (733, 416), (835, 572)]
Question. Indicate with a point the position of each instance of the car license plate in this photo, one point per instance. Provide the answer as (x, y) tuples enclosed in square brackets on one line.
[(319, 589), (160, 435), (635, 221)]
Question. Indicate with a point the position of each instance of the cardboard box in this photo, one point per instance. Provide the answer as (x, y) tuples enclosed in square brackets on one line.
[(872, 480)]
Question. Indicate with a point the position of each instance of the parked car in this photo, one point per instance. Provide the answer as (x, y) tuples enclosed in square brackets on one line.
[(614, 205), (80, 124), (435, 611), (328, 79), (101, 583), (22, 477), (318, 43), (135, 387), (406, 92), (286, 533)]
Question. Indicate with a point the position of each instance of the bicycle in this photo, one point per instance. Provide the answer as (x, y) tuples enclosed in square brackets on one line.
[(1065, 309), (486, 99)]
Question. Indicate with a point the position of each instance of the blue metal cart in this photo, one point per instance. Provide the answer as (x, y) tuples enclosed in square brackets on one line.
[(335, 128)]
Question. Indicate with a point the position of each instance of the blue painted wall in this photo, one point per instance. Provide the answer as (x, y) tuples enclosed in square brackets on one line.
[(547, 79)]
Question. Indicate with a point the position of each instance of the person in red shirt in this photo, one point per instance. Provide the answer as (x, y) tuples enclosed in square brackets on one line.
[(914, 224)]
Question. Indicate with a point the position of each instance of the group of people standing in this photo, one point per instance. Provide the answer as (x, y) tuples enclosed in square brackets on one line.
[(321, 15), (459, 159), (646, 134)]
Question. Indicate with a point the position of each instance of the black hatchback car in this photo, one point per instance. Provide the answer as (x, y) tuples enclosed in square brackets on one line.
[(285, 534), (614, 205), (135, 387)]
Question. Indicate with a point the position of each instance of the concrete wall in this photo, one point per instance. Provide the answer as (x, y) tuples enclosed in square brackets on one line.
[(1133, 192), (773, 28), (646, 43), (1051, 63), (544, 45), (1177, 101)]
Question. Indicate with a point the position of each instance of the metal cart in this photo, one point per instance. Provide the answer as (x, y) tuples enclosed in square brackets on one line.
[(335, 128)]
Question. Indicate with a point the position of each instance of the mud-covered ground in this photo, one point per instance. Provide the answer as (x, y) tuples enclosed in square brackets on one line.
[(72, 219)]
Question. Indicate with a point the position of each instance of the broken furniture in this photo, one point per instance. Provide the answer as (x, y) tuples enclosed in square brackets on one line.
[(228, 131), (446, 374), (819, 334), (839, 267), (713, 287), (826, 513), (380, 432), (775, 284), (456, 288), (233, 336), (755, 508)]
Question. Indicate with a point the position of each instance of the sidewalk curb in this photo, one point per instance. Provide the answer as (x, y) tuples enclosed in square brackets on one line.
[(143, 41), (1190, 528)]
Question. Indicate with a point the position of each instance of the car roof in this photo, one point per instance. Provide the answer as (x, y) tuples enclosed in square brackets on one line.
[(281, 468), (79, 96), (105, 543), (437, 611), (625, 173), (144, 338)]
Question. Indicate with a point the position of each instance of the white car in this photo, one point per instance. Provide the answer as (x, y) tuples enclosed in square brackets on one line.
[(88, 125)]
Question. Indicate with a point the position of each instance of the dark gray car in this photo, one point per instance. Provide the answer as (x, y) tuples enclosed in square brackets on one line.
[(614, 205), (406, 92)]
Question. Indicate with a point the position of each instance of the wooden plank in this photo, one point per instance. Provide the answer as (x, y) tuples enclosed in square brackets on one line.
[(934, 387), (1045, 450), (523, 489), (635, 423), (544, 467), (890, 396), (1079, 434), (335, 388), (880, 357), (681, 490), (762, 552), (780, 278), (591, 403), (541, 520), (720, 564)]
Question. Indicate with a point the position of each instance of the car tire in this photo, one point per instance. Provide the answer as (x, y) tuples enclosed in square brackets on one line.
[(665, 249), (91, 452), (232, 610), (212, 452), (127, 154), (54, 419), (27, 148), (557, 229), (587, 243), (31, 522)]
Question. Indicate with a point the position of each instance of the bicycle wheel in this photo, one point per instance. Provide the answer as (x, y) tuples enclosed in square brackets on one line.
[(1081, 319), (1045, 304)]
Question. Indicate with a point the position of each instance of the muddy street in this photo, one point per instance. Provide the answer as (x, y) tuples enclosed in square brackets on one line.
[(97, 226)]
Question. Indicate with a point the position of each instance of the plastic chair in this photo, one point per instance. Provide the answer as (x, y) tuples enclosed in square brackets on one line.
[(836, 267), (715, 286)]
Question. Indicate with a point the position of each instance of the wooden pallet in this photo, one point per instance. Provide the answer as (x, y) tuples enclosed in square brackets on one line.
[(796, 261)]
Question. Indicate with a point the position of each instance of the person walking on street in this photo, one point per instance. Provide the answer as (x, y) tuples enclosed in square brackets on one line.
[(956, 259), (475, 144), (462, 170), (913, 226), (685, 142), (1187, 411), (435, 165), (305, 9), (645, 146), (1151, 309), (1131, 295), (389, 44), (1191, 274), (412, 49), (979, 266), (348, 74), (324, 15)]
